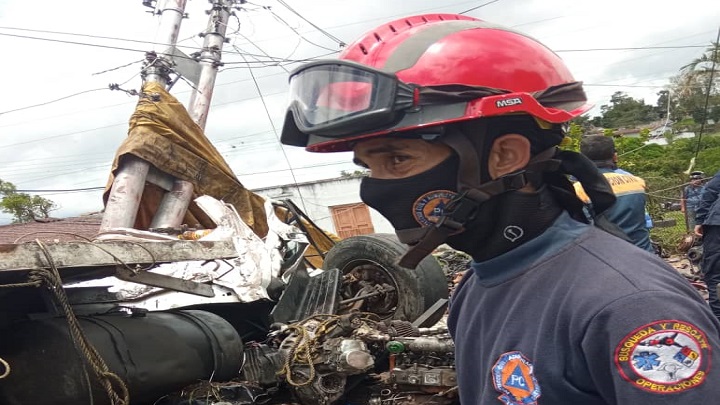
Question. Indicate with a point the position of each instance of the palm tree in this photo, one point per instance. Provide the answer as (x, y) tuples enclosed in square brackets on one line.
[(704, 66)]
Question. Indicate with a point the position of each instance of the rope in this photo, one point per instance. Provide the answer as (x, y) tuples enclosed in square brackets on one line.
[(36, 283), (114, 386), (301, 350), (95, 245)]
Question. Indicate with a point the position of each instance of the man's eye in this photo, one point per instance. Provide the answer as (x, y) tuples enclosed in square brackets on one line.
[(397, 159)]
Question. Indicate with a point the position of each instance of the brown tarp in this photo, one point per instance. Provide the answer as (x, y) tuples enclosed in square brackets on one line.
[(163, 134)]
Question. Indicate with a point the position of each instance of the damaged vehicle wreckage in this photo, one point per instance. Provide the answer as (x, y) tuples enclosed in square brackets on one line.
[(253, 304)]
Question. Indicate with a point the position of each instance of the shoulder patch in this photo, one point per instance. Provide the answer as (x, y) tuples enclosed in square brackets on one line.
[(513, 377), (664, 357)]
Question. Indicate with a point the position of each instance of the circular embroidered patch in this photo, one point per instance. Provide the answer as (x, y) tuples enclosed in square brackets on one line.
[(428, 208), (664, 357), (513, 377)]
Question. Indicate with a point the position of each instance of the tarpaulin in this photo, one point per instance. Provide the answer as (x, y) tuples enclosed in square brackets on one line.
[(163, 134)]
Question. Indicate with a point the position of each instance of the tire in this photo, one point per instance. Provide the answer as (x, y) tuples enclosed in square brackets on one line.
[(417, 289)]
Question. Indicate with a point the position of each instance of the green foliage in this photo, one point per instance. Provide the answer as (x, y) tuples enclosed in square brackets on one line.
[(663, 167), (625, 112), (573, 136), (690, 88), (23, 207)]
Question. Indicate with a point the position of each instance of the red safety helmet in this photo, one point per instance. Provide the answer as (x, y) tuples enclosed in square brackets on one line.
[(424, 71)]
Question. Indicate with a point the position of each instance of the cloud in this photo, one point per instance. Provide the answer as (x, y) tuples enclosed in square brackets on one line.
[(70, 143)]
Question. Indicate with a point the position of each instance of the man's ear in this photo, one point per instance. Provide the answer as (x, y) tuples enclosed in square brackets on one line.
[(509, 153), (615, 157)]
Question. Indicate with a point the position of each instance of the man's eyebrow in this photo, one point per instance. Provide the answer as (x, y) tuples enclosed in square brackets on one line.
[(384, 149)]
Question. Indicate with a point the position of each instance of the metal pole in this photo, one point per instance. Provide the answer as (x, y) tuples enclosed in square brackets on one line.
[(210, 59), (172, 208), (158, 63), (127, 188)]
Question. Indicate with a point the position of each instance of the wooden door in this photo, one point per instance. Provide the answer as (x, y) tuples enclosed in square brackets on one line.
[(352, 219)]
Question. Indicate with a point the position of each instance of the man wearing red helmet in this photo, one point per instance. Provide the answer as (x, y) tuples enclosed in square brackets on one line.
[(458, 121)]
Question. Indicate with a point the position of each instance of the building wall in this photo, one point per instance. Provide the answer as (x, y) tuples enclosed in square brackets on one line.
[(319, 196)]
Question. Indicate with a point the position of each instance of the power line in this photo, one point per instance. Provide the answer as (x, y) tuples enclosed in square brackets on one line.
[(61, 135), (52, 101), (707, 94), (327, 34), (269, 116), (121, 48), (633, 48), (278, 18), (477, 7), (132, 102), (619, 85), (70, 190)]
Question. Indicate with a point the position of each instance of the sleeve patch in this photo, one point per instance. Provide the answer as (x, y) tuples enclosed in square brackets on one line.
[(664, 357)]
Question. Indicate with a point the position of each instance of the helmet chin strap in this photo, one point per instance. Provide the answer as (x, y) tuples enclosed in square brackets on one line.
[(472, 195)]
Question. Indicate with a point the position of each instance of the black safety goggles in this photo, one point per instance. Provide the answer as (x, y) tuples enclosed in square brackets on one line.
[(335, 98)]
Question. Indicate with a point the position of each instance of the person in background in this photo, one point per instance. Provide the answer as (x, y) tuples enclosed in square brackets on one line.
[(690, 198), (458, 121), (707, 226), (628, 212)]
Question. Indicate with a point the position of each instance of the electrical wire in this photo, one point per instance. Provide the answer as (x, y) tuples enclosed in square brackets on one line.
[(267, 111), (281, 20), (327, 34), (313, 166), (707, 94), (631, 48), (52, 101), (480, 6), (116, 47), (59, 191)]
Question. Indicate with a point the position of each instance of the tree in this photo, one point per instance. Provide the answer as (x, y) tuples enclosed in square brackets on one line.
[(692, 84), (22, 206), (574, 135), (661, 106), (625, 111)]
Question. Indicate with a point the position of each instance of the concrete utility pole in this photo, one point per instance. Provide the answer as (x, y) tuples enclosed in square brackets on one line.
[(210, 60), (171, 211), (126, 192), (159, 62)]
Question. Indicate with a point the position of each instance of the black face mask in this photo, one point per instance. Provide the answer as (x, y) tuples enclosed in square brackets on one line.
[(414, 201), (501, 223)]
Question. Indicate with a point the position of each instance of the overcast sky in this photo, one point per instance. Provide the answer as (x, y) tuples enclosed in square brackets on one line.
[(70, 144)]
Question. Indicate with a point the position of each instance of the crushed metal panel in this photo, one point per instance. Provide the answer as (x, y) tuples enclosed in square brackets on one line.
[(162, 281), (107, 253)]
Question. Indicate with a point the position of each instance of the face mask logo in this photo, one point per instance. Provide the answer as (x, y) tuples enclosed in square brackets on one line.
[(430, 206), (513, 233)]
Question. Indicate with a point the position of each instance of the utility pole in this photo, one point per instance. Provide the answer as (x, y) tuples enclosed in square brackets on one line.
[(127, 188), (210, 59), (159, 62), (171, 211)]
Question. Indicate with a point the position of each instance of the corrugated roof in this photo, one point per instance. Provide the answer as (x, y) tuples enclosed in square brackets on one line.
[(52, 229)]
